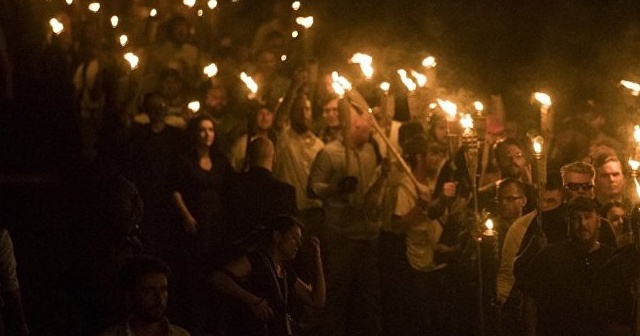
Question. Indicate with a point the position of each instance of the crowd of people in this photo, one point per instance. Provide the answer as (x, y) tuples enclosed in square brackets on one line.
[(294, 210)]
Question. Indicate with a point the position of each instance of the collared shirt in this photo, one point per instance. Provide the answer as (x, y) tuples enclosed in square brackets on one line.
[(124, 329)]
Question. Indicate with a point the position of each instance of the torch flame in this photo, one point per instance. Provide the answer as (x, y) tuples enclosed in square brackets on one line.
[(306, 22), (537, 144), (542, 98), (114, 21), (153, 12), (294, 34), (69, 2), (634, 87), (478, 106), (212, 4), (429, 62), (433, 106), (449, 108), (420, 78), (210, 70), (56, 26), (194, 106), (466, 122), (249, 82), (132, 59), (94, 7), (365, 62), (123, 40), (295, 5), (385, 86), (411, 86), (489, 224), (634, 164), (341, 80), (189, 3), (636, 134)]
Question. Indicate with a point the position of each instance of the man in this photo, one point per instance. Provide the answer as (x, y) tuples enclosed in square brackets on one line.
[(347, 188), (146, 282), (578, 285), (610, 181), (255, 197)]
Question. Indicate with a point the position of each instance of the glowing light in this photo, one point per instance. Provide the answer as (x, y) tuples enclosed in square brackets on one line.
[(123, 40), (478, 106), (365, 62), (385, 86), (194, 106), (429, 62), (249, 82), (69, 2), (132, 59), (200, 12), (411, 86), (153, 12), (189, 3), (433, 106), (542, 98), (634, 87), (637, 187), (420, 78), (114, 21), (294, 34), (466, 122), (212, 4), (306, 22), (94, 7), (538, 142), (634, 164), (341, 80), (449, 108), (283, 58), (56, 26), (636, 133), (295, 5), (210, 70), (489, 224)]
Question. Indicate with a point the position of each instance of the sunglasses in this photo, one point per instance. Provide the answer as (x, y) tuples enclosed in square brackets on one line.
[(577, 186)]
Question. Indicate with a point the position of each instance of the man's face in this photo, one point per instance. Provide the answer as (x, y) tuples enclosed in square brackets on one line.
[(578, 184), (150, 297), (511, 161), (216, 98), (584, 226), (511, 200), (264, 119), (330, 113), (301, 115), (609, 180), (616, 216), (289, 242), (551, 199)]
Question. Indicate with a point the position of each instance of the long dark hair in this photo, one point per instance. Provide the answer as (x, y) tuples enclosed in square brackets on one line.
[(192, 131)]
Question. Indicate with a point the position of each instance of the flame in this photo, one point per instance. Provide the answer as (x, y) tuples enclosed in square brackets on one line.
[(283, 58), (478, 106), (153, 12), (123, 40), (189, 3), (295, 5), (56, 26), (306, 22), (637, 187), (411, 86), (636, 133), (542, 98), (194, 106), (94, 7), (114, 21), (132, 59), (337, 88), (466, 122), (429, 62), (489, 224), (341, 80), (433, 106), (249, 82), (69, 2), (449, 108), (294, 34), (634, 87), (365, 62), (420, 78), (385, 86), (200, 12), (212, 4), (537, 144), (210, 70), (634, 164)]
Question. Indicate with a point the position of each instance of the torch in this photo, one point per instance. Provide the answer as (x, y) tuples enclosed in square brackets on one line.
[(546, 116), (251, 85), (537, 142), (451, 110)]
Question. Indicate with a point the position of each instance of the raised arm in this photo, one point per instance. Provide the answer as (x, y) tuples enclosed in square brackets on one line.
[(313, 296)]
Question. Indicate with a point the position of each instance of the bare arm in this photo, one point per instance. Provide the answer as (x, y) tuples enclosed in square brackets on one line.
[(313, 296), (283, 111), (191, 225)]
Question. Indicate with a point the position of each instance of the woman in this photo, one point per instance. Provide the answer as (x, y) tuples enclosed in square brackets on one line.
[(265, 285), (197, 243), (614, 212)]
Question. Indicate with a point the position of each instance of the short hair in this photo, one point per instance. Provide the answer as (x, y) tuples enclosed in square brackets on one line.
[(503, 143), (136, 267), (283, 223), (502, 184), (257, 150), (582, 204), (554, 181), (603, 159), (577, 167), (605, 208), (407, 131)]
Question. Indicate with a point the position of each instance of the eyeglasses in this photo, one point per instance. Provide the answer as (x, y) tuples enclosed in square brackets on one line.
[(579, 186)]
